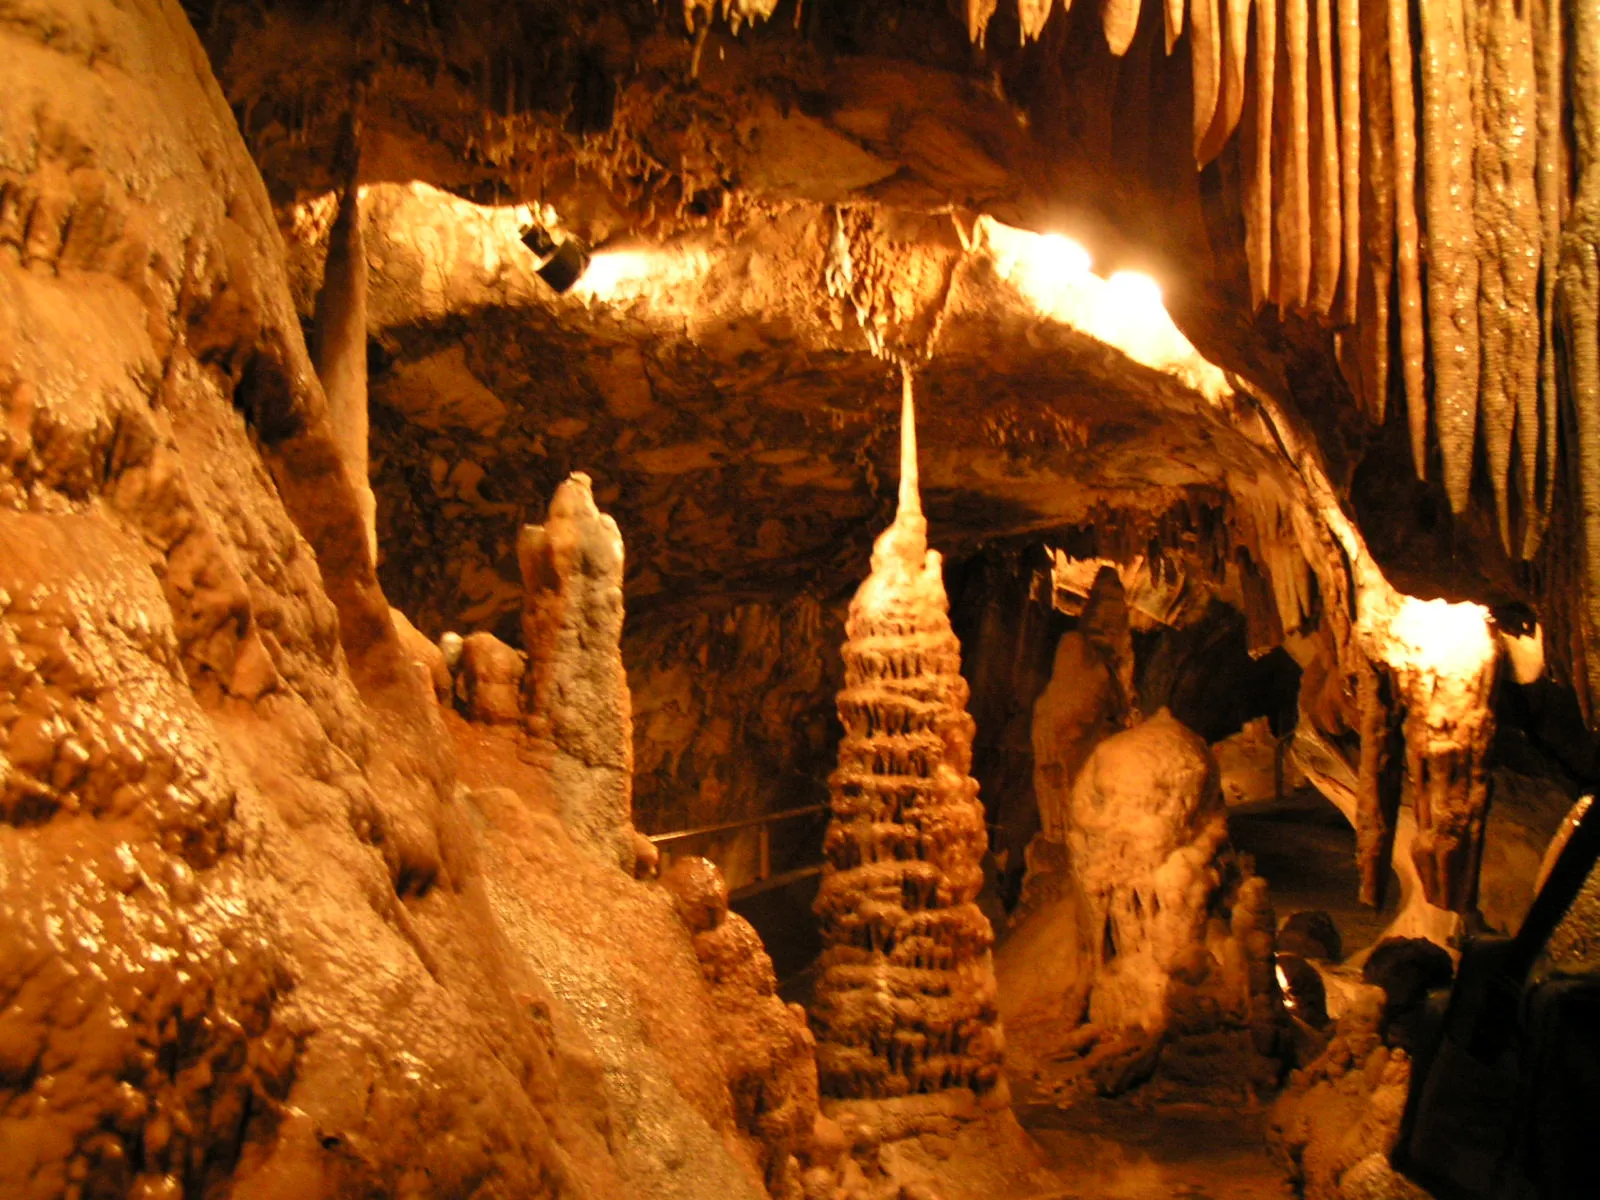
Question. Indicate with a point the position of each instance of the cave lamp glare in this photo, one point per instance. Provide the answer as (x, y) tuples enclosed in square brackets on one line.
[(1054, 274)]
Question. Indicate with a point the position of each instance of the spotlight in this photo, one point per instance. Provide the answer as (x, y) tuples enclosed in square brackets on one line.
[(560, 265)]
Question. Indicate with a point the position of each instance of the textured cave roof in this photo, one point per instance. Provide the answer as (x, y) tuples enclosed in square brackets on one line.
[(882, 109)]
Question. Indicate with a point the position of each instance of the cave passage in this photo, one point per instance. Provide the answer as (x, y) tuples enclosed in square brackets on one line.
[(788, 600)]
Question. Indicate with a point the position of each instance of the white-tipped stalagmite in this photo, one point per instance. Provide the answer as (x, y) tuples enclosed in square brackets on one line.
[(1205, 56), (1327, 230), (1350, 123), (1258, 158), (1292, 169), (904, 848), (1506, 216), (1372, 272), (1230, 99), (1120, 19), (1447, 194), (1408, 296)]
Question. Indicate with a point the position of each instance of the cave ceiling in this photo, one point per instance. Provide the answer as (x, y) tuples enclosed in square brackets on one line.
[(745, 147), (734, 414)]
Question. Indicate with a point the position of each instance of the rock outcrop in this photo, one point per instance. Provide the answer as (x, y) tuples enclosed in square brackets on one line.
[(1152, 954)]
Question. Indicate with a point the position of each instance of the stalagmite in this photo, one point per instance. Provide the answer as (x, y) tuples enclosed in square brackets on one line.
[(1551, 186), (339, 340), (1447, 190), (1578, 307), (1408, 298), (575, 691), (1507, 223), (1445, 661), (1230, 100), (1173, 18), (1258, 158), (1205, 56), (1327, 231), (1372, 274), (1350, 124), (1292, 179), (906, 999), (1121, 21)]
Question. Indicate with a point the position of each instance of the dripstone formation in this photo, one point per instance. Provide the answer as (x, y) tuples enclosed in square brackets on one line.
[(906, 998)]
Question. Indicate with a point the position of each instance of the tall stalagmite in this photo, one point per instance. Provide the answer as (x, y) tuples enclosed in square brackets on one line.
[(906, 1000)]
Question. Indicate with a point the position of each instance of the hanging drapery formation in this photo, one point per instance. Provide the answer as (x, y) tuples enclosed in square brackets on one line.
[(1423, 175), (906, 996)]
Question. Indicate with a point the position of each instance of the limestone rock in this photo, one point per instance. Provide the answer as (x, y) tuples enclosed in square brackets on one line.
[(490, 679), (575, 691)]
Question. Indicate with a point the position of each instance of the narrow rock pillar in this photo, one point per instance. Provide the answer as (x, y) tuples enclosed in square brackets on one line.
[(575, 692)]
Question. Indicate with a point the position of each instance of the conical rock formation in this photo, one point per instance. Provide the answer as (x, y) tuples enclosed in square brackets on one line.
[(906, 999)]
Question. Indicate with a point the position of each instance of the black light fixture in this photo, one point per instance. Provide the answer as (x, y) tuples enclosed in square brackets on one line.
[(560, 264)]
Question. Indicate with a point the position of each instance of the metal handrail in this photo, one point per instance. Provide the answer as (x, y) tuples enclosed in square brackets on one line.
[(744, 823), (764, 841)]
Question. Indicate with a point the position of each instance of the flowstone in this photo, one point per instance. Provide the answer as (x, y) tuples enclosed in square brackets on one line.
[(1153, 956)]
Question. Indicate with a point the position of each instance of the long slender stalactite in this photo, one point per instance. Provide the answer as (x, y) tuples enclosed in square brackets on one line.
[(1447, 160), (1258, 157), (1349, 12), (1578, 305), (1507, 225), (1291, 152), (1326, 223), (1551, 188), (1377, 221), (1402, 106)]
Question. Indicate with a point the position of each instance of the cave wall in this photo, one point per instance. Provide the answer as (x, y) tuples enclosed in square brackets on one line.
[(256, 938)]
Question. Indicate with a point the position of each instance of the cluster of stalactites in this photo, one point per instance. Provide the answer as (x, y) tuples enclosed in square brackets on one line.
[(906, 999), (1372, 145)]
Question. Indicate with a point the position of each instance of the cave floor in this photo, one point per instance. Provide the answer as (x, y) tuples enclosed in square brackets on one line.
[(1119, 1150)]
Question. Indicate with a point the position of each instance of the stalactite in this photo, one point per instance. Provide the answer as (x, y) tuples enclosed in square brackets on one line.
[(1408, 299), (1292, 180), (1205, 56), (1173, 16), (1551, 186), (1578, 309), (1033, 16), (1377, 785), (1373, 271), (1506, 216), (979, 13), (1350, 123), (1120, 19), (1447, 144), (1230, 99), (906, 998), (1327, 230), (339, 340), (1259, 164)]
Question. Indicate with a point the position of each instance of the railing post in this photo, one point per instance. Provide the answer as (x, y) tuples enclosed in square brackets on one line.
[(765, 839)]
